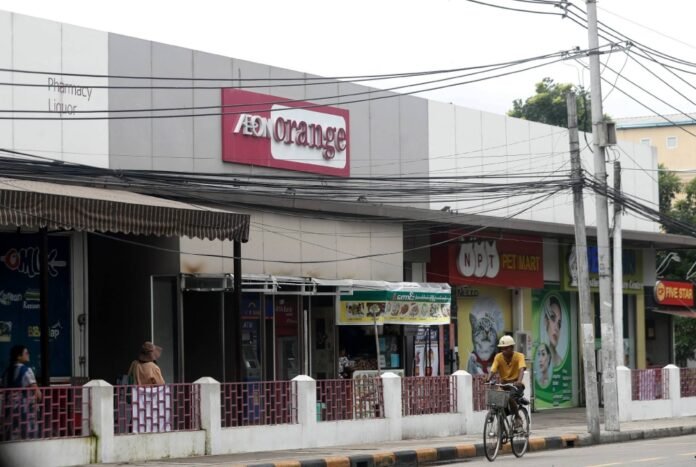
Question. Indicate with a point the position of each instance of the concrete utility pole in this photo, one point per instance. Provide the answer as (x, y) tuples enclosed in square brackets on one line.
[(586, 318), (611, 398), (618, 270)]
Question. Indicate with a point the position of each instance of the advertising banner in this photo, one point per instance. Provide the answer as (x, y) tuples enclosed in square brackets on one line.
[(553, 363), (426, 353), (506, 261), (401, 305), (632, 269), (484, 314), (271, 131), (20, 300), (674, 293)]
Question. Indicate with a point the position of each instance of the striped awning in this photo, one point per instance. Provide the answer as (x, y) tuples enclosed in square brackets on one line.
[(35, 204)]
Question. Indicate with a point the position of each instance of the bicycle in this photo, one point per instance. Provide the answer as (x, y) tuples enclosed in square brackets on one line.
[(499, 427)]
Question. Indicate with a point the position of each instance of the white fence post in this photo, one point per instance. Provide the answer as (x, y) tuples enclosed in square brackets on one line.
[(465, 397), (527, 381), (211, 413), (674, 379), (623, 384), (101, 418), (392, 394), (305, 393)]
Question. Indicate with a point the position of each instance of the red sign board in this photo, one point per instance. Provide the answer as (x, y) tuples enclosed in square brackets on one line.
[(269, 131), (674, 293), (507, 261)]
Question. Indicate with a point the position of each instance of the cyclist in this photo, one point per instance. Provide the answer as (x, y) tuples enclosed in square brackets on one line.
[(509, 366)]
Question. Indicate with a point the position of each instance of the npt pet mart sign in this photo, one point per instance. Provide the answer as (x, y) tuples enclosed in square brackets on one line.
[(269, 131)]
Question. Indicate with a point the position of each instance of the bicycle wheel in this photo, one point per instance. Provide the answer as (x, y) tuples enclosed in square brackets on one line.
[(520, 436), (491, 434)]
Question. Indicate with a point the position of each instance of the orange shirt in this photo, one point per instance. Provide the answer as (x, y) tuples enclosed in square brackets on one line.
[(508, 372), (145, 373)]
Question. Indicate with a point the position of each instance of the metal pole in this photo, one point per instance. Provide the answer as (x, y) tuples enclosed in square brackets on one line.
[(237, 314), (43, 303), (379, 366), (586, 318), (618, 270), (611, 400)]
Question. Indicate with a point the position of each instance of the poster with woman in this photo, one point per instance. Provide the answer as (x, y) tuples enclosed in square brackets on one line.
[(553, 365)]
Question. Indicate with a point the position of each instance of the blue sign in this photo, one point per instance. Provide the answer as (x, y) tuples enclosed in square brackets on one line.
[(20, 300)]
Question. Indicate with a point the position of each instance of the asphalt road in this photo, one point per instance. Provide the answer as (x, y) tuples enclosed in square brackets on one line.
[(673, 452)]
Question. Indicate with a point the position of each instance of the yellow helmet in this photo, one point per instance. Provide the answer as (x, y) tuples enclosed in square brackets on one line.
[(506, 341)]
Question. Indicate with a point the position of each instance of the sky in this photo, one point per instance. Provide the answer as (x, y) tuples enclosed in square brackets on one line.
[(333, 38)]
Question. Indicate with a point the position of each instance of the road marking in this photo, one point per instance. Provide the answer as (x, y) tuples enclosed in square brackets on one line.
[(688, 454), (648, 459)]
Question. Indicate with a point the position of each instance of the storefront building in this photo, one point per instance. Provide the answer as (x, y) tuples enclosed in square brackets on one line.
[(307, 257)]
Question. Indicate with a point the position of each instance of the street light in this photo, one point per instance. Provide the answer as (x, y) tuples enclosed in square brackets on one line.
[(671, 256)]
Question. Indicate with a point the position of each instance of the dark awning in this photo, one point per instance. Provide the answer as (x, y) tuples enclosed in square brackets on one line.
[(34, 204), (681, 313)]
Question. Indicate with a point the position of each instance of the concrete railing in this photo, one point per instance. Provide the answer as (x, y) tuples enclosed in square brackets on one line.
[(307, 427), (652, 394)]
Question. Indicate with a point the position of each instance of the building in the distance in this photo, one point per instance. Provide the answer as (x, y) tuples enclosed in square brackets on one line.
[(672, 136)]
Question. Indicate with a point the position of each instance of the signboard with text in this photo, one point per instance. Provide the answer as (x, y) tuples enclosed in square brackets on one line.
[(507, 261), (674, 293), (269, 131)]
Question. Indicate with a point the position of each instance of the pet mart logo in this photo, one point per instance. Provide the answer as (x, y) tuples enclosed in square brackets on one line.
[(27, 261), (479, 259)]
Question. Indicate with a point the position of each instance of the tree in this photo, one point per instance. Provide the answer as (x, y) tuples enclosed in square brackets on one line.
[(669, 186), (548, 105)]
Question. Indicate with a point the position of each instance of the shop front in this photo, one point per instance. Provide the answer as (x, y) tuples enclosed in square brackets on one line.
[(665, 302), (396, 327), (633, 300), (493, 277)]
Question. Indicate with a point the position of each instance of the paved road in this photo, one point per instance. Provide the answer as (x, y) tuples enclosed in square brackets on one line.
[(669, 452)]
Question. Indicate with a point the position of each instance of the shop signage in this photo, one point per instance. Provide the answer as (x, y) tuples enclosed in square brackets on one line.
[(426, 305), (632, 269), (269, 131), (674, 293), (507, 261)]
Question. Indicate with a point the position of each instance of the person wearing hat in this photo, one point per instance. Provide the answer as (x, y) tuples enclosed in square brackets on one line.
[(509, 367), (144, 371)]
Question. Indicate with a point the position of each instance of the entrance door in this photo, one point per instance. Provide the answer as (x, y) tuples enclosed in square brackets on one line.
[(203, 328), (323, 348), (164, 328)]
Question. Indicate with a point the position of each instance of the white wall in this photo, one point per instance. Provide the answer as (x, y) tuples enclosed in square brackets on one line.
[(129, 448), (274, 238), (49, 453), (28, 43), (468, 142)]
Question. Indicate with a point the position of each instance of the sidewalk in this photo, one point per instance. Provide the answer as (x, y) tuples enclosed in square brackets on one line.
[(556, 429)]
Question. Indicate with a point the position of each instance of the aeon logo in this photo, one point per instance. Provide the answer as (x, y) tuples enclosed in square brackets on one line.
[(329, 139), (479, 259)]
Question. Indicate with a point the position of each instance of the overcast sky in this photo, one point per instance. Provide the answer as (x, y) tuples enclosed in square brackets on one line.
[(333, 38)]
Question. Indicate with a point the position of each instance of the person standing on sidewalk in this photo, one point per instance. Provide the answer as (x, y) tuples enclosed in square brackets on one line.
[(20, 407), (151, 402)]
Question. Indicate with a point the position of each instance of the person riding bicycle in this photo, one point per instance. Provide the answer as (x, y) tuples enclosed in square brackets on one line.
[(509, 366)]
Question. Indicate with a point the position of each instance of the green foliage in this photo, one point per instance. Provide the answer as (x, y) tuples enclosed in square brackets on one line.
[(685, 340), (670, 185), (548, 105)]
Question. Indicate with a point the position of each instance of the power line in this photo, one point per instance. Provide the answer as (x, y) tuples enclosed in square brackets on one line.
[(522, 10)]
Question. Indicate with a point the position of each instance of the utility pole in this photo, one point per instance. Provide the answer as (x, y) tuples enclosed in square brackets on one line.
[(586, 318), (618, 270), (611, 397)]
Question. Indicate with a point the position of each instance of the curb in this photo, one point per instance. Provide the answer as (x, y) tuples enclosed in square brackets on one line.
[(422, 456)]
